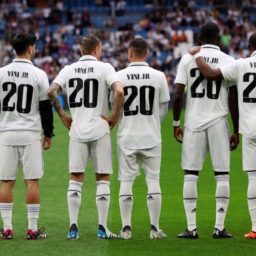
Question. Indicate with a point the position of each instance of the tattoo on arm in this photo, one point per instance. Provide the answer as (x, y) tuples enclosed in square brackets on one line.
[(54, 99), (118, 101)]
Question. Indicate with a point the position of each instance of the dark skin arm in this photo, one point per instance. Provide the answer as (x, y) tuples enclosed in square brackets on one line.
[(233, 108), (208, 72), (177, 108), (53, 92)]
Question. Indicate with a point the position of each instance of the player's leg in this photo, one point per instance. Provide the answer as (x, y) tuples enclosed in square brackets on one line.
[(151, 161), (249, 165), (8, 170), (194, 149), (218, 140), (78, 157), (32, 162), (128, 170), (100, 152)]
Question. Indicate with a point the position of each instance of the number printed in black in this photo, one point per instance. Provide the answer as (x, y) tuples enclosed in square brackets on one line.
[(90, 96), (210, 86), (146, 94), (23, 102), (249, 88)]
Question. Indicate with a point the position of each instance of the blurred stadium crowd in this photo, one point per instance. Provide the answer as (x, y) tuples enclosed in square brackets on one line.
[(170, 27)]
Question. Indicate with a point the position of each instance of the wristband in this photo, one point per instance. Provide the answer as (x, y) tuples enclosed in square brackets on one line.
[(197, 55), (176, 123)]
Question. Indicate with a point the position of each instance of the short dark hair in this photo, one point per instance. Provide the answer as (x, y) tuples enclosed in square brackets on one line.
[(209, 33), (252, 41), (22, 41), (139, 46), (89, 43)]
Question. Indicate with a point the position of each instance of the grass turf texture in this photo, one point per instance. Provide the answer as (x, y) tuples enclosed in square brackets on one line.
[(54, 214)]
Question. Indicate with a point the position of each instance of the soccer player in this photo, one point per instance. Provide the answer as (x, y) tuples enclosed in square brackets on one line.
[(243, 73), (25, 110), (205, 129), (87, 82), (139, 138)]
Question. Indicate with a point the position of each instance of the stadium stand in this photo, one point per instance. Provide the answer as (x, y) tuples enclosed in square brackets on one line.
[(169, 26)]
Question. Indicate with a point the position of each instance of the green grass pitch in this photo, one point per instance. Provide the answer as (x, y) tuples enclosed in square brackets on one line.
[(54, 214)]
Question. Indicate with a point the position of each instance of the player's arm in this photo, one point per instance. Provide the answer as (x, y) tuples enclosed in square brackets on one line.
[(45, 110), (117, 105), (177, 108), (53, 92), (208, 72), (233, 108), (163, 109)]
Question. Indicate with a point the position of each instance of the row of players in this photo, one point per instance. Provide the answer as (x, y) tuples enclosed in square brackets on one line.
[(139, 96)]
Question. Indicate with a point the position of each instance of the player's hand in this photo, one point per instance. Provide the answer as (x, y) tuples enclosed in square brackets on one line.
[(47, 143), (234, 141), (66, 120), (178, 133), (194, 50), (112, 120)]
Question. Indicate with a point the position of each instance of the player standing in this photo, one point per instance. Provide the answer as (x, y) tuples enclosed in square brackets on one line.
[(23, 97), (87, 82), (205, 129), (243, 73), (139, 137)]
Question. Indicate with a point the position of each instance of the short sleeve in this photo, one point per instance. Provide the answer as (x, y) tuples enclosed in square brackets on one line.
[(111, 75), (62, 78), (229, 72), (181, 77), (43, 87), (164, 90)]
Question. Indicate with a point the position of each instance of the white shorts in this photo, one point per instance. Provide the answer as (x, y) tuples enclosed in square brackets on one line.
[(30, 156), (196, 145), (99, 151), (249, 154), (129, 161)]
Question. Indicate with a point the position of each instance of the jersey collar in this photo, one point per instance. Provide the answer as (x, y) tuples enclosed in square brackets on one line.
[(253, 54), (88, 57), (22, 61), (210, 46), (138, 64)]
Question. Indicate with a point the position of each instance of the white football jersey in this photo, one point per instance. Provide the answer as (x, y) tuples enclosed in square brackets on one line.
[(87, 82), (22, 86), (144, 89), (243, 73), (207, 101)]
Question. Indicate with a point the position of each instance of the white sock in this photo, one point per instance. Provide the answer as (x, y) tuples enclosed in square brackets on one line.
[(74, 200), (102, 201), (126, 202), (6, 213), (33, 215), (222, 200), (154, 201), (251, 194), (190, 199)]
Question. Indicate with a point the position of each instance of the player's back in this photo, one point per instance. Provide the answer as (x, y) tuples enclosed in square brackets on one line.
[(87, 82), (245, 72), (144, 89), (207, 101), (22, 86)]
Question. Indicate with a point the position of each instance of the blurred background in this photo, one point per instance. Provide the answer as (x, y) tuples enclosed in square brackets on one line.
[(171, 28)]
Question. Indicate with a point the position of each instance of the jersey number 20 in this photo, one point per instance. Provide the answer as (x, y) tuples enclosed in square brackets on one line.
[(23, 104), (146, 94), (209, 91), (90, 97)]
